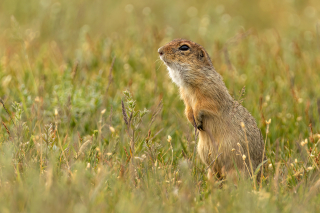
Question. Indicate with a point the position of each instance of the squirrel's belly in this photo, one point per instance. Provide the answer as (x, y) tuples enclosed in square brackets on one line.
[(213, 143), (209, 143), (206, 149)]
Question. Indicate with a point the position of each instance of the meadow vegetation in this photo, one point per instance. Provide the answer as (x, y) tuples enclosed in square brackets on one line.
[(91, 122)]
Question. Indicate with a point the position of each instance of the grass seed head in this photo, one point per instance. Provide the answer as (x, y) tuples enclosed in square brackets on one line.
[(111, 129), (103, 111), (268, 121), (310, 168), (244, 157)]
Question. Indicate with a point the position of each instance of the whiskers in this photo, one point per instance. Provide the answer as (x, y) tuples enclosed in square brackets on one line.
[(161, 63)]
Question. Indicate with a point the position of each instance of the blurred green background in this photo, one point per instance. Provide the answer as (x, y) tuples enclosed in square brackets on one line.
[(57, 76)]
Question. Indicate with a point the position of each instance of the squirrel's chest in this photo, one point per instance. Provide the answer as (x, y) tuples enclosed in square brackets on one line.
[(176, 77), (189, 97)]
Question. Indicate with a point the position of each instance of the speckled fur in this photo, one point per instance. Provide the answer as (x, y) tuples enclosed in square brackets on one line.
[(208, 101)]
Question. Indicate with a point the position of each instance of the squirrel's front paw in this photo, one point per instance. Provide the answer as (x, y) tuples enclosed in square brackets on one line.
[(199, 121), (200, 127)]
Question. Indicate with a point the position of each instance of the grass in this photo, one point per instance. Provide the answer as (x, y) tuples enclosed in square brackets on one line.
[(91, 122)]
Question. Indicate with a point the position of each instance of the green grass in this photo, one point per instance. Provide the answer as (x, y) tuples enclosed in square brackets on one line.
[(64, 143)]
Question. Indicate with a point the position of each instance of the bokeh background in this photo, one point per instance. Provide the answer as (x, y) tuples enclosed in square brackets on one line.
[(64, 68)]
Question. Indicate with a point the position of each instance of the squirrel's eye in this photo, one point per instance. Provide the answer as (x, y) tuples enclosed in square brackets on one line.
[(184, 48)]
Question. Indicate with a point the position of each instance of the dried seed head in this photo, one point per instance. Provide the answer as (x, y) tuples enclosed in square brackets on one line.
[(88, 165), (242, 124), (124, 113), (103, 111), (139, 158), (270, 165), (268, 121), (232, 150), (267, 98), (55, 112), (295, 160), (304, 142), (238, 144), (84, 147), (244, 157), (111, 129), (169, 139), (310, 168)]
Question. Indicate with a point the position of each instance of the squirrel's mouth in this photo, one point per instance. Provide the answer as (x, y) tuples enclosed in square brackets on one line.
[(164, 60), (168, 64)]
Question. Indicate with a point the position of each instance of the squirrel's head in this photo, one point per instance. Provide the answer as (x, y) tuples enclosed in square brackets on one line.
[(185, 60)]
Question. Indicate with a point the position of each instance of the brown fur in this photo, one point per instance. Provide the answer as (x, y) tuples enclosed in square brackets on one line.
[(217, 115)]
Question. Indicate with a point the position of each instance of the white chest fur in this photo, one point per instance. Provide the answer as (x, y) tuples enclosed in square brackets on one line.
[(176, 76)]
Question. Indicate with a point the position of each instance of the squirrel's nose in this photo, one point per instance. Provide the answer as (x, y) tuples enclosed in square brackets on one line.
[(160, 51)]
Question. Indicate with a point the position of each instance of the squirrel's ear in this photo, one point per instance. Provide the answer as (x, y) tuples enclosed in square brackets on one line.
[(201, 54)]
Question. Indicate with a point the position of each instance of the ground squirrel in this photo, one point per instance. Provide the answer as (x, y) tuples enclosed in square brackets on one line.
[(225, 125)]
